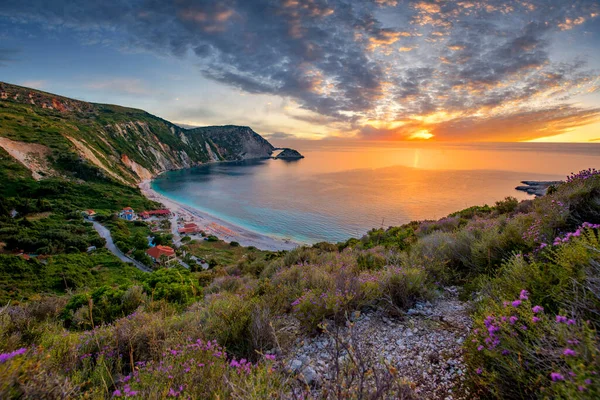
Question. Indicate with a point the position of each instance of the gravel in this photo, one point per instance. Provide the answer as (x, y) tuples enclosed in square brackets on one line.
[(425, 347)]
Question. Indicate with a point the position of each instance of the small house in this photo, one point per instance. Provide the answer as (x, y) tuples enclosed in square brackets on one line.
[(127, 213), (189, 229), (155, 213), (157, 252), (89, 214)]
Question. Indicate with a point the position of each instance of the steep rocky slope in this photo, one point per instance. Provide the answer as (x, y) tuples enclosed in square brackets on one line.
[(289, 154), (125, 144)]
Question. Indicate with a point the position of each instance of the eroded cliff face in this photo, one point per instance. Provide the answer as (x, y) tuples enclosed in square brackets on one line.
[(124, 144)]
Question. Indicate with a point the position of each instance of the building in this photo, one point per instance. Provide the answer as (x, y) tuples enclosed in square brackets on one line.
[(89, 214), (158, 252), (156, 213), (127, 213), (189, 229)]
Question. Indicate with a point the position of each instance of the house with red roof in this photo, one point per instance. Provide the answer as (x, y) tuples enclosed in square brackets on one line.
[(189, 229), (157, 252), (156, 213)]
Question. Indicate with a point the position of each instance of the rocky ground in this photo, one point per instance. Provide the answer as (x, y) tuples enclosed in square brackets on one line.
[(424, 347)]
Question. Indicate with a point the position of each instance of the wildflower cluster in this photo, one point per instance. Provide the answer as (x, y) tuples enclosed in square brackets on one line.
[(7, 356), (518, 344), (578, 232), (583, 175), (181, 368)]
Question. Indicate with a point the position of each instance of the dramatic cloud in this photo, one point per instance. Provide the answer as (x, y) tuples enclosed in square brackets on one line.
[(414, 69)]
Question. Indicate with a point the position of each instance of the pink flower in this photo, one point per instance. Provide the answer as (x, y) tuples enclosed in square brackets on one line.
[(524, 295), (561, 319), (480, 347), (270, 357)]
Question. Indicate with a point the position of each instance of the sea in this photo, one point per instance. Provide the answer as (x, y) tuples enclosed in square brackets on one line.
[(342, 189)]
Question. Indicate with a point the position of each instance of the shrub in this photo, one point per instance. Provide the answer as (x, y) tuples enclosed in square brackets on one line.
[(370, 260), (227, 317), (519, 351), (401, 288), (508, 205)]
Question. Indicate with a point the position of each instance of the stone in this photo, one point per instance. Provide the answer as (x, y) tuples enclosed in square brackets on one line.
[(310, 376)]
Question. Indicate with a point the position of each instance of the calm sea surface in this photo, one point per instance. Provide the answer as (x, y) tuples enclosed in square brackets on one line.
[(342, 190)]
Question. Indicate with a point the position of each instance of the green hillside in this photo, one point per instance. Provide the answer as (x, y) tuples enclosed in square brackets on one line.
[(58, 136)]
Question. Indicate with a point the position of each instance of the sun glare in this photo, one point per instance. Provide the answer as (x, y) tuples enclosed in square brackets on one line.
[(422, 134)]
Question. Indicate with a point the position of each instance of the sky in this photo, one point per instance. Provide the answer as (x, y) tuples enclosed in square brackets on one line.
[(395, 70)]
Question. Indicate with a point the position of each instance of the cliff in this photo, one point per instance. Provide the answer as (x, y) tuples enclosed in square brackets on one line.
[(56, 136)]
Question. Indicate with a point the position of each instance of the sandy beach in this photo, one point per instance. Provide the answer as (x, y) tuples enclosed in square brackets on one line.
[(215, 226)]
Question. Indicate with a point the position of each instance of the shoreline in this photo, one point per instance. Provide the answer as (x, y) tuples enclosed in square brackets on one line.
[(215, 226)]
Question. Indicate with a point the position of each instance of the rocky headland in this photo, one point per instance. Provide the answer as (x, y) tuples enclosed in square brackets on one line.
[(288, 154), (537, 188)]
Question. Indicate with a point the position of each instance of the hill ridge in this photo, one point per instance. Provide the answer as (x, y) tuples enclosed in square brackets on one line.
[(121, 143)]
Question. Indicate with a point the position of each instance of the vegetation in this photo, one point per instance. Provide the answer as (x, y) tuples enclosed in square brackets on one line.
[(75, 324)]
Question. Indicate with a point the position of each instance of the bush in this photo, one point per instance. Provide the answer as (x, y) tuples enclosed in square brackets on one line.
[(517, 350), (508, 205), (401, 288), (370, 260), (227, 318)]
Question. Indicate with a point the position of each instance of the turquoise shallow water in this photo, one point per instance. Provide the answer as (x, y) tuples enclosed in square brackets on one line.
[(341, 191)]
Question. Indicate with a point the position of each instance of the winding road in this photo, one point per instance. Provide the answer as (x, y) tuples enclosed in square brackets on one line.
[(110, 245)]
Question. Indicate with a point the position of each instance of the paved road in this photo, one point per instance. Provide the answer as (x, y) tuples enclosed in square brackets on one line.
[(175, 231), (110, 245)]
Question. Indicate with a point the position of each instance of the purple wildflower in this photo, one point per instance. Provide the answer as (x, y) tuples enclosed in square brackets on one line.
[(555, 376), (516, 303), (535, 319), (479, 371), (7, 356), (569, 352), (537, 309), (561, 319), (117, 393), (524, 295), (513, 319)]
